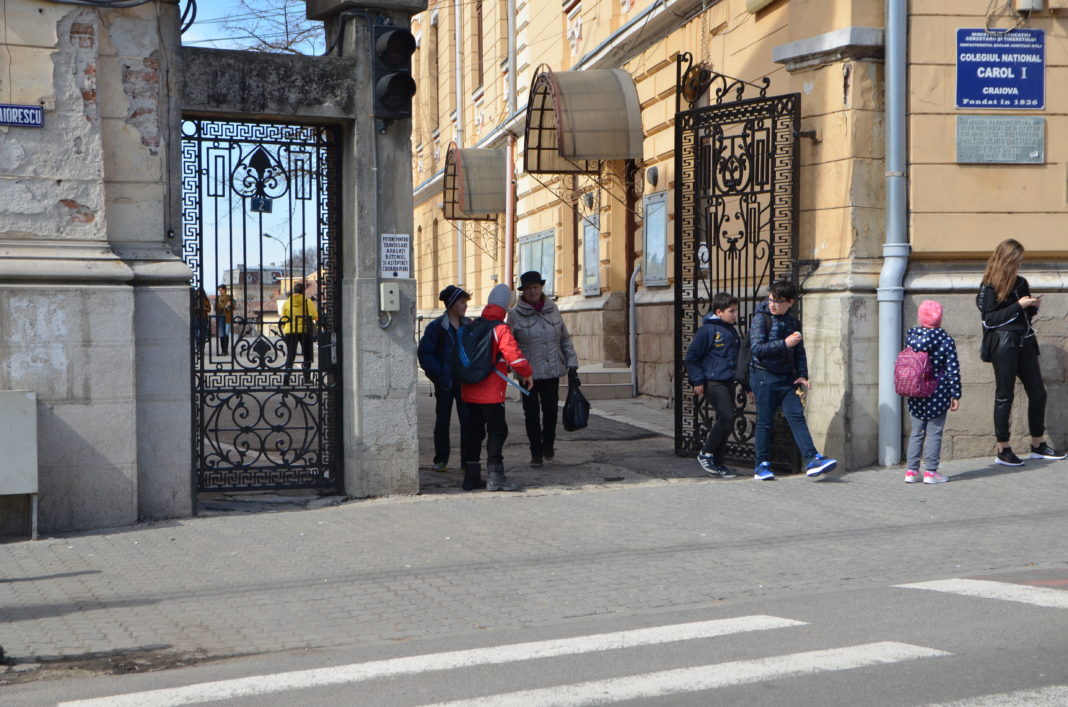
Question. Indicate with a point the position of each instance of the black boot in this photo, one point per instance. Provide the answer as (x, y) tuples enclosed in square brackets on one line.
[(473, 477), (497, 481), (224, 345)]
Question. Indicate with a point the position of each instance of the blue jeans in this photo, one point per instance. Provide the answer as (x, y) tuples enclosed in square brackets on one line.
[(772, 391)]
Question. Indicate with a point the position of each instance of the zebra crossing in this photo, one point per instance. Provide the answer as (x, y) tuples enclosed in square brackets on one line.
[(639, 686)]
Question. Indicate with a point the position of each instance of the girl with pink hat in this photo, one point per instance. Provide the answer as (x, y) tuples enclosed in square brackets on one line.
[(929, 413)]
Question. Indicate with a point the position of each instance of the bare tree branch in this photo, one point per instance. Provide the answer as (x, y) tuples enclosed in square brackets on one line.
[(275, 26)]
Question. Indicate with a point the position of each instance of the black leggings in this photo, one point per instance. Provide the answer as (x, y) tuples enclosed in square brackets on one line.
[(1011, 362)]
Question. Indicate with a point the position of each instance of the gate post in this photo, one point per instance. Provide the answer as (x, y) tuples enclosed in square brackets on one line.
[(381, 447)]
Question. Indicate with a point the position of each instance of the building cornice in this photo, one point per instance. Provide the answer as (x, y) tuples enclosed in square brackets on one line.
[(845, 43)]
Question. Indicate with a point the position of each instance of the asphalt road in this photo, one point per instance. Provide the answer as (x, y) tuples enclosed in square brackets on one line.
[(872, 646)]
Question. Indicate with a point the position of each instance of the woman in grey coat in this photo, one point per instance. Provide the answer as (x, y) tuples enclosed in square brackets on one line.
[(539, 329)]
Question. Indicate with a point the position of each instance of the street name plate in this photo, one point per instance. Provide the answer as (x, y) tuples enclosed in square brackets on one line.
[(996, 139)]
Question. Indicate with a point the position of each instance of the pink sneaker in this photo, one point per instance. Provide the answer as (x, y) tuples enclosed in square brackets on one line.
[(912, 476), (933, 477)]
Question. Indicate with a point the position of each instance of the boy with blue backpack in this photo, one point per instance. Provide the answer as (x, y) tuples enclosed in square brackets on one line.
[(485, 351), (777, 367), (711, 361)]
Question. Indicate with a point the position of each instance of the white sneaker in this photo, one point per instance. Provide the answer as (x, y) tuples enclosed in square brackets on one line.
[(933, 477), (912, 476)]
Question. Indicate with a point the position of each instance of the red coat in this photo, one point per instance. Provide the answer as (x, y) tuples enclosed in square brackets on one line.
[(491, 389)]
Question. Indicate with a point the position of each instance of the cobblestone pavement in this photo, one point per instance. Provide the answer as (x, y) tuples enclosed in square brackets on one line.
[(617, 525)]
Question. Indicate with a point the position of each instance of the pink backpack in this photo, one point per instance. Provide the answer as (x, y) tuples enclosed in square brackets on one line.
[(914, 375)]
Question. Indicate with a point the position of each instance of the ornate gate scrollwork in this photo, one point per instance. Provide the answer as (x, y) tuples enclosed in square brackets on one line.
[(265, 380), (736, 215)]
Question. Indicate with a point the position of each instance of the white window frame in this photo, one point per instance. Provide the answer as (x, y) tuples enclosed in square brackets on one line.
[(655, 239), (538, 252)]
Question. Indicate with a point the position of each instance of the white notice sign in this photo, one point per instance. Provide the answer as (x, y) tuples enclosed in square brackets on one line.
[(396, 260)]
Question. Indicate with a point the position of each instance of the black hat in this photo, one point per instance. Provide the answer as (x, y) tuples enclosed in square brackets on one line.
[(450, 294), (531, 277)]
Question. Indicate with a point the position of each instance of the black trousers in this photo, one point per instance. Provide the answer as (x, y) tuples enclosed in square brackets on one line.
[(484, 420), (307, 348), (1012, 361), (539, 413), (718, 395), (445, 400)]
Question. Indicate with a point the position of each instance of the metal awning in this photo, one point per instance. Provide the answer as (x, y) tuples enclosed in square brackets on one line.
[(575, 119), (475, 182)]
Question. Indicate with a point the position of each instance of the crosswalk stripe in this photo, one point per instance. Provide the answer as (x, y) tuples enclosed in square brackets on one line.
[(705, 677), (356, 672), (1037, 596), (1053, 696)]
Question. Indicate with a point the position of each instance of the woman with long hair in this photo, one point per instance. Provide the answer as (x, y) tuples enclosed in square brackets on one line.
[(1009, 343)]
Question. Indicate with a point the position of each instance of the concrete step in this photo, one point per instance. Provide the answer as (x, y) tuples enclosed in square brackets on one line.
[(601, 391), (600, 383)]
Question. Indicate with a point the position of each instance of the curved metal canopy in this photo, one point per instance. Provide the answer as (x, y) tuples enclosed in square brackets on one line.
[(475, 182), (575, 119)]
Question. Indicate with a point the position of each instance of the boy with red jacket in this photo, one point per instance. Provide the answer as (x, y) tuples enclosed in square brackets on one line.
[(485, 401)]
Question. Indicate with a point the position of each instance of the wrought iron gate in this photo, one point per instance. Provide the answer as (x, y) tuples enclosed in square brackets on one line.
[(260, 216), (736, 207)]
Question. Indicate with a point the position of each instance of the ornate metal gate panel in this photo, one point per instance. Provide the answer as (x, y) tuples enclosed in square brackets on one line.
[(736, 165), (260, 216)]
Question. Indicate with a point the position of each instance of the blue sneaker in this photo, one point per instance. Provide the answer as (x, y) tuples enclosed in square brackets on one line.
[(763, 472), (819, 464)]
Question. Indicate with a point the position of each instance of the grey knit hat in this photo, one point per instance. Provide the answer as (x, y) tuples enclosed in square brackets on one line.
[(501, 295)]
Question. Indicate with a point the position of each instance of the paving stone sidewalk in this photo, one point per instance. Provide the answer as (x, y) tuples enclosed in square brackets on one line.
[(617, 525)]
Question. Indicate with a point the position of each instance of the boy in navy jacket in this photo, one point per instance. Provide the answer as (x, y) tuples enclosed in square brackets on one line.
[(778, 366), (435, 358), (711, 361)]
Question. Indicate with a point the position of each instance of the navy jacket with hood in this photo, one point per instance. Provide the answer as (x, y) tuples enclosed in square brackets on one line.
[(768, 345), (713, 353), (943, 355), (435, 350)]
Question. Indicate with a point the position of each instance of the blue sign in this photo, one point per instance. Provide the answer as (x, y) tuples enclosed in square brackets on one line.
[(1001, 69), (22, 116)]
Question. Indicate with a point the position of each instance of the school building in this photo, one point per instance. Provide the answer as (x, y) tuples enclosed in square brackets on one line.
[(644, 154)]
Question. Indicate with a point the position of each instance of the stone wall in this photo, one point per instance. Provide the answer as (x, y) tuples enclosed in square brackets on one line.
[(84, 217), (970, 430), (598, 328), (656, 344)]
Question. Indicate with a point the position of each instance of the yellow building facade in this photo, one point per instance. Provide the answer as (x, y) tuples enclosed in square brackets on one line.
[(588, 233)]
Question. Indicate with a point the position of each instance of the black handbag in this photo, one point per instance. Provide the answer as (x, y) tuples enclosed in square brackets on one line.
[(576, 407)]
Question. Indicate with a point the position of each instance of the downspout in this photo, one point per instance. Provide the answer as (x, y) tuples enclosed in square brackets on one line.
[(509, 162), (891, 292), (459, 131), (632, 307)]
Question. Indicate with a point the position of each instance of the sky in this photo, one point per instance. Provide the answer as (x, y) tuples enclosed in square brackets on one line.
[(207, 25)]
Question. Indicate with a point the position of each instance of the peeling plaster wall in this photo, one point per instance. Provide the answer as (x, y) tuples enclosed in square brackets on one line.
[(90, 294)]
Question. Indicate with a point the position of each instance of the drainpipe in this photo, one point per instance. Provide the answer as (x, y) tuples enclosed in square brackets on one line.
[(458, 53), (509, 162), (891, 292), (632, 307)]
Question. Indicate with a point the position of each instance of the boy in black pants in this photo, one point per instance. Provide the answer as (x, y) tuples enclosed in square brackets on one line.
[(711, 361)]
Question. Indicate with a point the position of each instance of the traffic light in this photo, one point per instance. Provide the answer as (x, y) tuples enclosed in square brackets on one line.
[(394, 85)]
